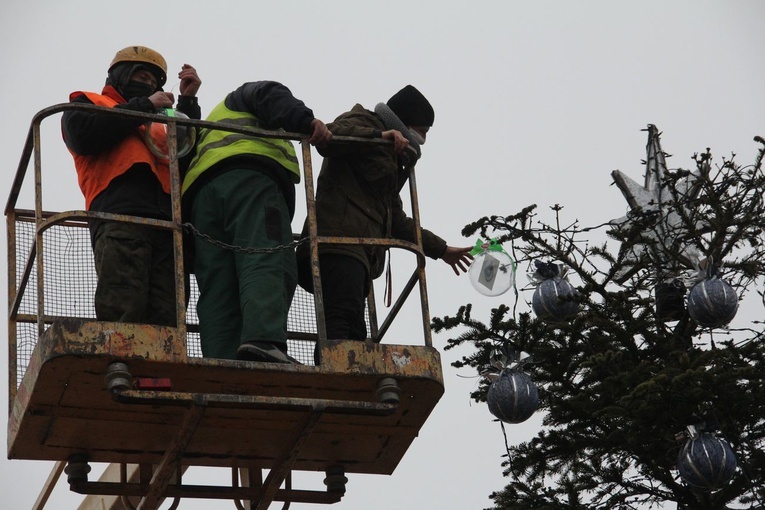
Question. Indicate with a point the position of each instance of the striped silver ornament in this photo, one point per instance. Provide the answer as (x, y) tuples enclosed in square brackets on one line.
[(707, 462), (712, 303), (513, 397)]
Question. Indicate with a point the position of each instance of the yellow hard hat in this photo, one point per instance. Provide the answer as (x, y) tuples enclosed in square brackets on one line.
[(142, 54)]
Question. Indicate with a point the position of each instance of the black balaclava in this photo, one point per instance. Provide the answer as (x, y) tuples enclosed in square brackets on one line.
[(119, 78)]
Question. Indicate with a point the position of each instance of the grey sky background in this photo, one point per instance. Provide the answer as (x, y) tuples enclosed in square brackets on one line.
[(536, 103)]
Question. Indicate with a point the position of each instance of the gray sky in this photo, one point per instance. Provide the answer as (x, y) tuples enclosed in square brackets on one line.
[(536, 102)]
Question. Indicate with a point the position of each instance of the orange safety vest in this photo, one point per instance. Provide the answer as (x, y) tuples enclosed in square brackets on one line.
[(95, 172)]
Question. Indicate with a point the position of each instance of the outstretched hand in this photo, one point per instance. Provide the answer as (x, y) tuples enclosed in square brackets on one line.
[(458, 258)]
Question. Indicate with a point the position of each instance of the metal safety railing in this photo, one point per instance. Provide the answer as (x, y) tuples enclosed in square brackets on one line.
[(38, 241)]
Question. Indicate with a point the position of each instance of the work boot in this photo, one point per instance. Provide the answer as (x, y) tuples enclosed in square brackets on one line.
[(264, 352)]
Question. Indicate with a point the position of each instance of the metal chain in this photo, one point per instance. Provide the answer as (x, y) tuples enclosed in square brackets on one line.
[(242, 249)]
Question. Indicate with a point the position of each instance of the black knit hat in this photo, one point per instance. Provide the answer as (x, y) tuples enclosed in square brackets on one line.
[(412, 107)]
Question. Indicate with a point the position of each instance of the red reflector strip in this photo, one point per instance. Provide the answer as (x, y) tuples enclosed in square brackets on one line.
[(153, 383)]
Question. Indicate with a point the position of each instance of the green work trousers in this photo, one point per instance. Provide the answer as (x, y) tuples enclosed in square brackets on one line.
[(243, 297)]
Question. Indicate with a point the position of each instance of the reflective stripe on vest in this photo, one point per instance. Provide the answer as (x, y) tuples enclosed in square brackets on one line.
[(215, 145), (95, 172)]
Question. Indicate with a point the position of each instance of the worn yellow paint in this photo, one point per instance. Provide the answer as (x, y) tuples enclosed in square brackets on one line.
[(63, 407)]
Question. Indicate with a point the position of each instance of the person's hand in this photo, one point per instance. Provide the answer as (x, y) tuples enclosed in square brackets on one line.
[(320, 135), (162, 100), (458, 258), (190, 81), (400, 143)]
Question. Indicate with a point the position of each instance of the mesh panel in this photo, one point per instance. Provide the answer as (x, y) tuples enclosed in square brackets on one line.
[(26, 339), (70, 282), (69, 273)]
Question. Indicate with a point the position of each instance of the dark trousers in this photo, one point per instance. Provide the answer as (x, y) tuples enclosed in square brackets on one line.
[(135, 268), (343, 282)]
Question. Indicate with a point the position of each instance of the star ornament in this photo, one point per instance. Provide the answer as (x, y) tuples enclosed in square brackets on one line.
[(655, 197)]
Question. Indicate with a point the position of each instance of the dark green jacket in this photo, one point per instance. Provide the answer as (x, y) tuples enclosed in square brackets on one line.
[(357, 194)]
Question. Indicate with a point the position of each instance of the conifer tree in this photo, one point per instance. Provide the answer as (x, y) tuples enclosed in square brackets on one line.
[(621, 381)]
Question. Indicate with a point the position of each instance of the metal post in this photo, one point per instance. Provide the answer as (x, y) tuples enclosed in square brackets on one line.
[(310, 197), (177, 232), (420, 269), (38, 232), (12, 286)]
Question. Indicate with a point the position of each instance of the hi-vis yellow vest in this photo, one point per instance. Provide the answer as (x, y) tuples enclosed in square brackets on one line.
[(216, 145)]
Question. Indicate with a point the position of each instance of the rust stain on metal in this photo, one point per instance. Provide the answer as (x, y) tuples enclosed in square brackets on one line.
[(124, 340), (363, 357)]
